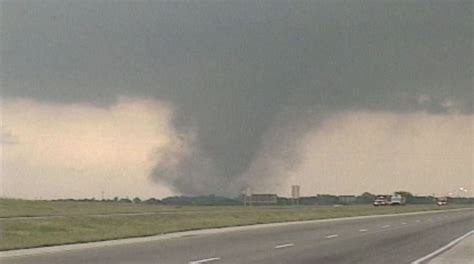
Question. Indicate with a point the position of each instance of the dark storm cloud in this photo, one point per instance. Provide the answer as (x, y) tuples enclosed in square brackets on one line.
[(236, 69)]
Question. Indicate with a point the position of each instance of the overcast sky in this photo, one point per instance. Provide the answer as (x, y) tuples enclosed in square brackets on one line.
[(153, 98)]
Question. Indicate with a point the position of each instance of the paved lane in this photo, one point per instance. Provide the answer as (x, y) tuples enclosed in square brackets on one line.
[(394, 239)]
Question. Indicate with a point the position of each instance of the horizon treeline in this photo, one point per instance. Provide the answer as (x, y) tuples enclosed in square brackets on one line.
[(319, 199)]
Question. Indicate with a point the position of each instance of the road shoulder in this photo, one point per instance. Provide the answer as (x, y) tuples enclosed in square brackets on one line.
[(461, 253)]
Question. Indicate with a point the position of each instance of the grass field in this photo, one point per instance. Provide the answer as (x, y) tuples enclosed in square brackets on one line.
[(16, 208), (75, 221)]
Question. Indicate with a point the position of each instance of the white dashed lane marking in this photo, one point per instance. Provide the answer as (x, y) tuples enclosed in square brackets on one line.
[(284, 246), (203, 260), (332, 236), (363, 230)]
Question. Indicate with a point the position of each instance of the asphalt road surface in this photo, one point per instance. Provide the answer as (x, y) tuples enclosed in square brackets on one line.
[(394, 239)]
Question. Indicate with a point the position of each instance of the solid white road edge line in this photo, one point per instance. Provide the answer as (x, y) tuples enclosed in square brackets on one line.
[(444, 248), (332, 236), (284, 246), (203, 260)]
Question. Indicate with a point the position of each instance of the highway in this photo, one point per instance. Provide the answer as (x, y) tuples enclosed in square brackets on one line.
[(389, 239)]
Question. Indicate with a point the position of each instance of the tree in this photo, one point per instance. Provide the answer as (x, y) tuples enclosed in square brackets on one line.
[(153, 201), (137, 200), (327, 199), (125, 200), (366, 198)]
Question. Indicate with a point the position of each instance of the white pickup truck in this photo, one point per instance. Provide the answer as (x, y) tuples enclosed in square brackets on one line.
[(395, 199)]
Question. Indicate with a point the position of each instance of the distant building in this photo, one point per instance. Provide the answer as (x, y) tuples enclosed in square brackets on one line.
[(347, 199), (261, 199)]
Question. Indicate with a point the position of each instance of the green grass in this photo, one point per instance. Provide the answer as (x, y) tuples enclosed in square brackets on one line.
[(76, 227), (17, 207)]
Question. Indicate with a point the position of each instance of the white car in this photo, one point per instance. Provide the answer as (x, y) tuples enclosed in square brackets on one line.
[(381, 200), (442, 201)]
